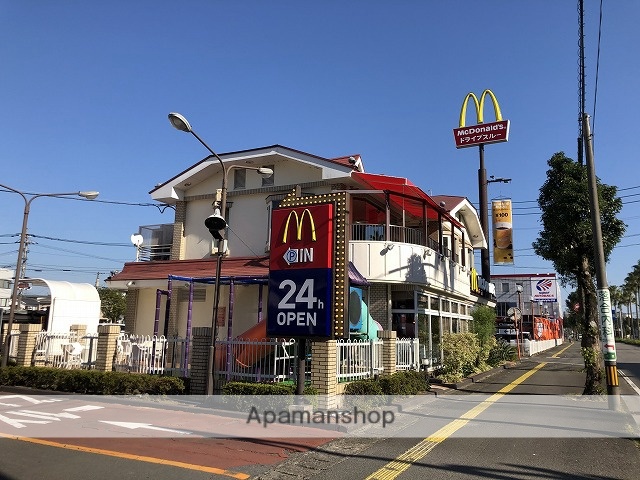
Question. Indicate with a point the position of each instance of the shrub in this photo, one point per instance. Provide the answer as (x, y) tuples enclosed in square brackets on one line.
[(275, 395), (460, 353), (90, 382), (501, 352)]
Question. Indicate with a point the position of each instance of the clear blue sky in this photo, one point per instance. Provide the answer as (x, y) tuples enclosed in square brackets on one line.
[(86, 88)]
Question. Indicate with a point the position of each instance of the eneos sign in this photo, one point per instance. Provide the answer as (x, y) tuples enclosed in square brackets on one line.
[(301, 271)]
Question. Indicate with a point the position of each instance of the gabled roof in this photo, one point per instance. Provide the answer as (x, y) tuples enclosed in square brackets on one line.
[(205, 267), (170, 191), (463, 209)]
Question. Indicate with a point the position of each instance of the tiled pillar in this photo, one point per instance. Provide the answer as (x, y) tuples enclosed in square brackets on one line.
[(79, 330), (324, 367), (178, 244), (131, 311), (388, 338), (107, 344), (27, 344), (201, 342)]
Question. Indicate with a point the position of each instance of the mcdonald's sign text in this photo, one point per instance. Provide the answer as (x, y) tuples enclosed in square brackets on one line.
[(493, 132)]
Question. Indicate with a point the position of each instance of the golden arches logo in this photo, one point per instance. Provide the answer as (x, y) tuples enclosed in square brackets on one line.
[(299, 222), (479, 104)]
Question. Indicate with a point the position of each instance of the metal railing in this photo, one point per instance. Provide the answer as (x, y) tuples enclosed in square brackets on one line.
[(407, 354), (154, 252), (265, 360), (151, 354), (358, 359), (65, 350)]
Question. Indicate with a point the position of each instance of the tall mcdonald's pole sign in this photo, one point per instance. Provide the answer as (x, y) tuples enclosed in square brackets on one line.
[(478, 135)]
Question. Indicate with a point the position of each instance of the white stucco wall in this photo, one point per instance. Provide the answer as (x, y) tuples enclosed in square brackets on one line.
[(408, 263)]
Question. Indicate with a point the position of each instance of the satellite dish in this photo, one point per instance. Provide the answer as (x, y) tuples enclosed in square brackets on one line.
[(136, 239), (514, 314)]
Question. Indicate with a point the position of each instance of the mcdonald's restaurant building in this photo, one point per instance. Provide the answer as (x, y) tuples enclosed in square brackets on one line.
[(410, 256)]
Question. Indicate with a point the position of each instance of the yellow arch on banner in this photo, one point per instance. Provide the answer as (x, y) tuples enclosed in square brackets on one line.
[(479, 107)]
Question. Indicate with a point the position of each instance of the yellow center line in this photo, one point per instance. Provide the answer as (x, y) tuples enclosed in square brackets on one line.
[(140, 458), (401, 463), (557, 354)]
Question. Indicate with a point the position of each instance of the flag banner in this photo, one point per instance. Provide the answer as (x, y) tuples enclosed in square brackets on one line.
[(502, 232)]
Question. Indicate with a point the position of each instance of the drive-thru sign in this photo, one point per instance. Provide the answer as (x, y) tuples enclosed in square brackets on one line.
[(308, 268), (301, 271)]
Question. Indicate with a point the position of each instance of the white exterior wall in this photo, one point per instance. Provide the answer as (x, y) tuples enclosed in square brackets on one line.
[(408, 263)]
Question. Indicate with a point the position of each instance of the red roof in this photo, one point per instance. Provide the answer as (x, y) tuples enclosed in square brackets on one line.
[(201, 268), (408, 190)]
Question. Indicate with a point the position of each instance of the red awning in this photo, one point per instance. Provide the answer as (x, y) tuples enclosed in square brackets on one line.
[(409, 197)]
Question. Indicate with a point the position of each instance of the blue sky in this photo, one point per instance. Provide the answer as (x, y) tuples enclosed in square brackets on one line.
[(87, 86)]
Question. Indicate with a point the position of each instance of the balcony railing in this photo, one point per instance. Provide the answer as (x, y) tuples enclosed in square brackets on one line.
[(154, 252)]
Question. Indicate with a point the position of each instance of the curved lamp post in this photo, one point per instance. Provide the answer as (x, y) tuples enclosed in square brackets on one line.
[(216, 224), (89, 195)]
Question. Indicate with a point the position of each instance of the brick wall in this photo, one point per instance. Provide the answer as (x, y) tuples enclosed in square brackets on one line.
[(379, 304), (177, 246)]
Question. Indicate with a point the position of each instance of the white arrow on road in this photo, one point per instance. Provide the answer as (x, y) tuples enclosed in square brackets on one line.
[(19, 423), (148, 426)]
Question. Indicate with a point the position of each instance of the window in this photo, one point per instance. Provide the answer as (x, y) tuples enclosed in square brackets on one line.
[(505, 287), (239, 179), (269, 181)]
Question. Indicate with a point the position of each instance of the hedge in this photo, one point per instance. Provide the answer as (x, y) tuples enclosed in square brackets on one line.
[(91, 382)]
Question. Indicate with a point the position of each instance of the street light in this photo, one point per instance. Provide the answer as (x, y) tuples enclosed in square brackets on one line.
[(89, 195), (216, 224)]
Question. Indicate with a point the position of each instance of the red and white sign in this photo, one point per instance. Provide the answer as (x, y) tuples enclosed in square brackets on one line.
[(473, 135)]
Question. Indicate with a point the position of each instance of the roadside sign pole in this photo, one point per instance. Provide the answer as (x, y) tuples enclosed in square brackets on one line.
[(604, 300)]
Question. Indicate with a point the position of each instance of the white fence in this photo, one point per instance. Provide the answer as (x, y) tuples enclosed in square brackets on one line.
[(358, 359), (407, 354), (531, 347), (265, 360), (65, 350), (152, 354)]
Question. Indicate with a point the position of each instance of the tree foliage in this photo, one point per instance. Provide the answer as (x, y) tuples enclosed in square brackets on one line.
[(566, 239), (113, 303)]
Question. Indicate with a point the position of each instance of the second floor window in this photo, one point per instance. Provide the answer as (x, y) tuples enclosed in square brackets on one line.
[(239, 179), (268, 181)]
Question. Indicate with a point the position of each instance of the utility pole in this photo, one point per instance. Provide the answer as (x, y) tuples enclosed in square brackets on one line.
[(605, 318)]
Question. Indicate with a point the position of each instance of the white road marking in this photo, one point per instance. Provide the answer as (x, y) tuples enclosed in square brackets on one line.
[(26, 398), (19, 423), (83, 408), (44, 415), (133, 425), (631, 384)]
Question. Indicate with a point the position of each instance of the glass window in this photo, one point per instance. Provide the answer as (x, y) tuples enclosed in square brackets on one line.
[(268, 181), (402, 300), (434, 303), (454, 307), (445, 306), (505, 287), (404, 324), (423, 301), (239, 179)]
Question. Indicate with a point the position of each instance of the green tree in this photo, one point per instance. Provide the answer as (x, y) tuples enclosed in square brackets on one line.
[(484, 326), (566, 239), (113, 303)]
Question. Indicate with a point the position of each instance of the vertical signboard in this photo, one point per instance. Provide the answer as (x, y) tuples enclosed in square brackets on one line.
[(301, 271), (502, 232)]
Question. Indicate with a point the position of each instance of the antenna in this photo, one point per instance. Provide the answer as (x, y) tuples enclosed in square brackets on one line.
[(136, 240)]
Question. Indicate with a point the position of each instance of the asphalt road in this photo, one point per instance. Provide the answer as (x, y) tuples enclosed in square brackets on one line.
[(466, 433)]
